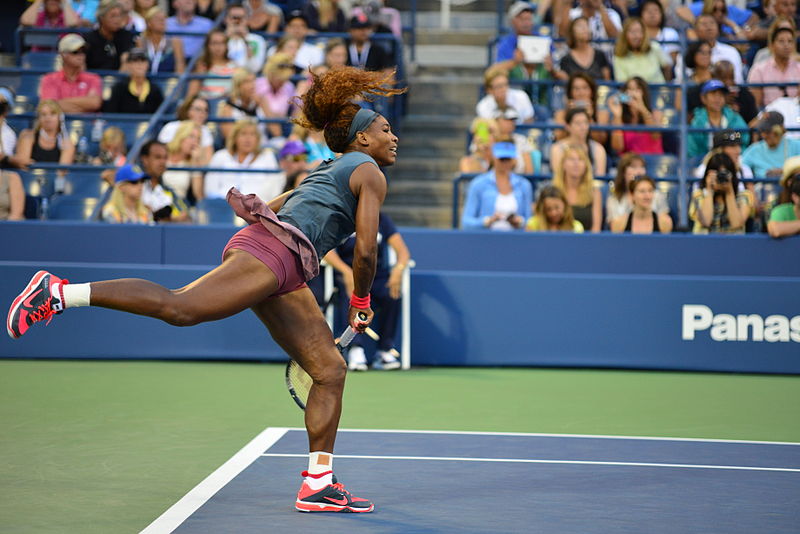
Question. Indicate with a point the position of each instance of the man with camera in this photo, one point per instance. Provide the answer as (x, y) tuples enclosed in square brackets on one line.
[(246, 49)]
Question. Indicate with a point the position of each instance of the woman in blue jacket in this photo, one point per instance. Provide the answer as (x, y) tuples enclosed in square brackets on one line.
[(498, 199)]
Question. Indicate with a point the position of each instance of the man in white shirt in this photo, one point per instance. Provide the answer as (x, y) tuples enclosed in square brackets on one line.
[(247, 50), (309, 54), (789, 107), (707, 29)]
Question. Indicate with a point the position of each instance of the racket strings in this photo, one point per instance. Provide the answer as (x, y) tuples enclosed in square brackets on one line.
[(300, 381)]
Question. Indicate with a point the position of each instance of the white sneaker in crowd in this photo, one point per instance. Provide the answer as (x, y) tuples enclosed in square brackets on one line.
[(387, 360), (356, 359)]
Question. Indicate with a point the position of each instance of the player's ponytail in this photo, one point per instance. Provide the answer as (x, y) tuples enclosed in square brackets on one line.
[(328, 105)]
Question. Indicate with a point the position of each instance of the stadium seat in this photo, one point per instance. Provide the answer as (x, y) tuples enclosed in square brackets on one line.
[(661, 165), (84, 184), (664, 98), (71, 208), (216, 211), (40, 60)]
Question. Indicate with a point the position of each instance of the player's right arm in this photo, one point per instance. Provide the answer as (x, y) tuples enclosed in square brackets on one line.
[(369, 186)]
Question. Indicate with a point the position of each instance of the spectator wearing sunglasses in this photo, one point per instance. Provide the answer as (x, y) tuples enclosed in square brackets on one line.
[(125, 204), (75, 90), (294, 162), (715, 113), (784, 219)]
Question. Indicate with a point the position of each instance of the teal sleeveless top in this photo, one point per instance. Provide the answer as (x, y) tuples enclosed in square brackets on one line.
[(322, 206)]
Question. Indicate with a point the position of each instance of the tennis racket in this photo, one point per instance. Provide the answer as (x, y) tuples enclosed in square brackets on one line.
[(298, 382)]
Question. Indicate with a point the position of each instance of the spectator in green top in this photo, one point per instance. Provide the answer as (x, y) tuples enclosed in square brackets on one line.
[(784, 219)]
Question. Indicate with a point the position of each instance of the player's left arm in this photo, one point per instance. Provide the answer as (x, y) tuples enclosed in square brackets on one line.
[(369, 186)]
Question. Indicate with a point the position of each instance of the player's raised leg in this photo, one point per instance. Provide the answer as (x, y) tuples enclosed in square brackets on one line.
[(239, 283), (298, 326)]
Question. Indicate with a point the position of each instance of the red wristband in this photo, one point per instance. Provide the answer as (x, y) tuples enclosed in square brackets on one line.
[(361, 303)]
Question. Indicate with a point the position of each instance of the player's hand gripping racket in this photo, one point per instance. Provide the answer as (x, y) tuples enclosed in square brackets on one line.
[(298, 382)]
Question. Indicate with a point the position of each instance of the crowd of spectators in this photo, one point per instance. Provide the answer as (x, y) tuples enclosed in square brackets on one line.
[(234, 115), (613, 95)]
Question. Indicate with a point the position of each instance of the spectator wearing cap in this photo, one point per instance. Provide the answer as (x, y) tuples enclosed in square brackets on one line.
[(308, 55), (362, 52), (185, 20), (766, 157), (714, 113), (135, 94), (162, 201), (325, 16), (511, 57), (125, 204), (75, 90), (789, 107), (719, 204), (246, 49), (739, 98), (728, 142), (782, 68), (506, 121), (499, 97), (604, 22), (293, 159), (784, 219), (498, 199), (109, 43)]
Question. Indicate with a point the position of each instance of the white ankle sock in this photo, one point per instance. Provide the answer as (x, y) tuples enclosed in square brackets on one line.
[(319, 462), (76, 295)]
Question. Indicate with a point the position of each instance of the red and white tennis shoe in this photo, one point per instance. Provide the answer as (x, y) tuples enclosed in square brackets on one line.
[(331, 498), (43, 297)]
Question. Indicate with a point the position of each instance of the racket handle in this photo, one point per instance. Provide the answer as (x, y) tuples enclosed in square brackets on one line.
[(348, 334)]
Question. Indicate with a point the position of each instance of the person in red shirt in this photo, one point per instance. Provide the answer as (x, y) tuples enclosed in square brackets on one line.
[(75, 90)]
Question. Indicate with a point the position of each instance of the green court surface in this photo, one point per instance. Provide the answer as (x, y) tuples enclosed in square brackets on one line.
[(107, 446)]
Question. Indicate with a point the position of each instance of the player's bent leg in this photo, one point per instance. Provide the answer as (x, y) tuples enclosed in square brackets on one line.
[(298, 326)]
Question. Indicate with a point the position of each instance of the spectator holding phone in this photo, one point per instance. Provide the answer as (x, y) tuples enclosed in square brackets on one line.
[(642, 219), (498, 199), (632, 106), (718, 206)]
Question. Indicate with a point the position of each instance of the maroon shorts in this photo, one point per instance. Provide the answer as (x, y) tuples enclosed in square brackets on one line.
[(286, 265)]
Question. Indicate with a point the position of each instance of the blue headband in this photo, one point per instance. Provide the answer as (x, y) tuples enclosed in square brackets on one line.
[(361, 122)]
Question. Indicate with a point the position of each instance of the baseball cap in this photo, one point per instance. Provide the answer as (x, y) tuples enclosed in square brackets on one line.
[(519, 7), (128, 173), (296, 14), (292, 148), (360, 21), (71, 42), (508, 113), (137, 54), (790, 167), (713, 85), (727, 138), (504, 150), (768, 119)]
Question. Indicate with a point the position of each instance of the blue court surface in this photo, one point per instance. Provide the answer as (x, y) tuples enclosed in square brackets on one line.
[(497, 482)]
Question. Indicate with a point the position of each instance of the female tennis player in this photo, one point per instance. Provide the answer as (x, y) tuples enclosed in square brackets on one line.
[(265, 266)]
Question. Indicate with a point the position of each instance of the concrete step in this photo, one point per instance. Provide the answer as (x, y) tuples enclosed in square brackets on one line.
[(452, 56), (434, 168), (459, 19), (454, 37), (420, 193), (436, 5)]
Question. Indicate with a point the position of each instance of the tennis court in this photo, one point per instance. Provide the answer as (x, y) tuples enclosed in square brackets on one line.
[(110, 446), (495, 482)]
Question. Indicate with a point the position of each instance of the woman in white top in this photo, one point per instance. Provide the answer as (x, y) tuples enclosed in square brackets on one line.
[(242, 152), (195, 109), (500, 96), (577, 128), (620, 201), (184, 151)]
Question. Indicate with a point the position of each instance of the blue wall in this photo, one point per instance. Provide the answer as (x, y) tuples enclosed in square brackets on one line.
[(477, 298)]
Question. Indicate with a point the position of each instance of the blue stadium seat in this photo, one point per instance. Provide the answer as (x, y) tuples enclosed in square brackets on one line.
[(71, 208), (84, 184), (661, 165), (216, 211), (39, 60), (38, 182), (664, 98)]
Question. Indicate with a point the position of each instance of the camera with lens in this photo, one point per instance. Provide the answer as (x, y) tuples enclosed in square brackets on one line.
[(724, 176)]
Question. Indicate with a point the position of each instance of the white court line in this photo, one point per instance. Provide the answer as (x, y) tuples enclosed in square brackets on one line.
[(528, 461), (181, 510), (576, 436)]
